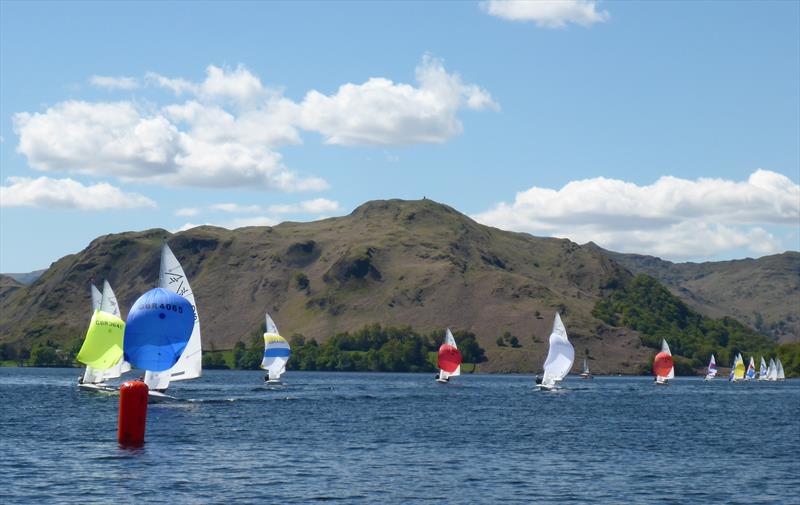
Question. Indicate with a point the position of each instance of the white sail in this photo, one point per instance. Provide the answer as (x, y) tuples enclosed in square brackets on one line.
[(276, 351), (585, 366), (157, 380), (762, 370), (97, 298), (712, 368), (172, 278), (665, 348), (560, 356), (449, 339), (772, 370), (750, 374), (779, 374)]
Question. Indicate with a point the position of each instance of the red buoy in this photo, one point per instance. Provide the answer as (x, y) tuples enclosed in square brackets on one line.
[(132, 413)]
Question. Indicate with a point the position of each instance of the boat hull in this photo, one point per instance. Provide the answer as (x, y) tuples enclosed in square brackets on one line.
[(98, 388), (159, 397)]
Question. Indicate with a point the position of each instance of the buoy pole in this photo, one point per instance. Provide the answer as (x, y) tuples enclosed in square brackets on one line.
[(132, 413)]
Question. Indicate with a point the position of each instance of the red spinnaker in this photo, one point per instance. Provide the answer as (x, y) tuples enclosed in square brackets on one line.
[(449, 358), (662, 364)]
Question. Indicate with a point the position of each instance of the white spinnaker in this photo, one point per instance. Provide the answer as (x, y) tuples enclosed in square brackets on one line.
[(92, 375), (560, 356), (172, 278), (109, 305), (449, 339), (275, 365)]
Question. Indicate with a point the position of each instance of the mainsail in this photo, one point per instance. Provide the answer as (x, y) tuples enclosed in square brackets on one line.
[(762, 370), (90, 375), (780, 375), (109, 305), (190, 364), (663, 366), (449, 358), (772, 371), (560, 355), (276, 351)]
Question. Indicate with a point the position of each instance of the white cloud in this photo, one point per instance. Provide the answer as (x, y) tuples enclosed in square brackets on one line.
[(674, 218), (48, 193), (124, 83), (316, 206), (187, 212), (382, 112), (236, 208), (547, 13), (229, 130)]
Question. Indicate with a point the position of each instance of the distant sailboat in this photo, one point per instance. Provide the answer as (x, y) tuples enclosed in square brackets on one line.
[(762, 370), (276, 353), (738, 369), (158, 331), (190, 365), (93, 378), (663, 366), (560, 356), (780, 375), (751, 370), (585, 373), (772, 371), (449, 359), (712, 369)]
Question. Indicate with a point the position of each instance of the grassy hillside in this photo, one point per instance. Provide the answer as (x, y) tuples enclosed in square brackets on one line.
[(763, 293)]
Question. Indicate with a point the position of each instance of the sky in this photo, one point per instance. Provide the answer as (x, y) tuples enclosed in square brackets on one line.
[(663, 128)]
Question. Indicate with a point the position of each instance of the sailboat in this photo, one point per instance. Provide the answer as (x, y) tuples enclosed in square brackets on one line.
[(762, 370), (738, 369), (751, 370), (93, 378), (276, 353), (712, 369), (772, 371), (449, 359), (560, 357), (663, 366), (190, 364), (780, 375), (585, 373), (158, 331)]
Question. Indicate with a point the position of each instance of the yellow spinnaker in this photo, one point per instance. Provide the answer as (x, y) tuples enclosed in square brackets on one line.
[(102, 347)]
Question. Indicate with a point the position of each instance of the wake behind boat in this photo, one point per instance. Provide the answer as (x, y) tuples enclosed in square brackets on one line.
[(560, 357)]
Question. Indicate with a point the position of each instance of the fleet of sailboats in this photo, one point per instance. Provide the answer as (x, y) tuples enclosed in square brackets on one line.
[(162, 336)]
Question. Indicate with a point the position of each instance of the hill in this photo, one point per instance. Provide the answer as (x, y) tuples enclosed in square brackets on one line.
[(763, 293), (395, 263)]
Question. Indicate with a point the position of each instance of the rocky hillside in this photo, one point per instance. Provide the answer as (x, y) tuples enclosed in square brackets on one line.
[(763, 292), (416, 263)]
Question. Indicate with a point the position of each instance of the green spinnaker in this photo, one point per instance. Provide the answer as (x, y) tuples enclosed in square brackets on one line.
[(102, 347)]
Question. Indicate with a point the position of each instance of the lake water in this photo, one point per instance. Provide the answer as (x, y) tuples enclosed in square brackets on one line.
[(402, 438)]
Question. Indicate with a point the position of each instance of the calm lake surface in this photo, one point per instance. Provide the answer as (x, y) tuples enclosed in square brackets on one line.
[(402, 438)]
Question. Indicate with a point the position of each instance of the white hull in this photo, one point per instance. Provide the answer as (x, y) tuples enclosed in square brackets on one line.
[(272, 382), (587, 376), (98, 388), (443, 381), (159, 397)]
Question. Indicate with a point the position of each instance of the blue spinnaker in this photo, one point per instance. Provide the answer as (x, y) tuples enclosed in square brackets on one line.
[(157, 330)]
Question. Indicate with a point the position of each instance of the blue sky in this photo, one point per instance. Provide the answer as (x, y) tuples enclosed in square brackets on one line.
[(666, 128)]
